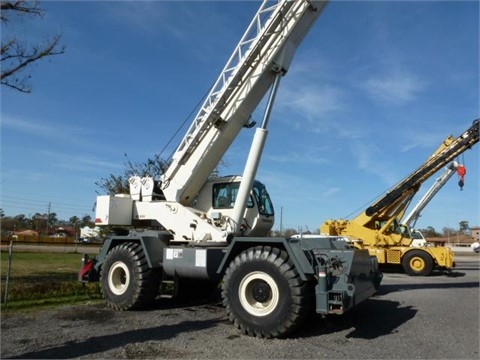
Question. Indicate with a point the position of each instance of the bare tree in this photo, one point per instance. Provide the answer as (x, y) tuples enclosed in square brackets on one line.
[(16, 55)]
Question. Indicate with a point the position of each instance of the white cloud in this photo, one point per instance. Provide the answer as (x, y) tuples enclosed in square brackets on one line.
[(146, 15), (308, 88), (369, 158), (395, 88), (9, 175), (288, 187), (331, 191), (309, 107), (30, 127), (42, 128), (312, 156), (313, 101), (425, 139), (80, 163)]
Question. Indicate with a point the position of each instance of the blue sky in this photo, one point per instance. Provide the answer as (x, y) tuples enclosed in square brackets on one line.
[(371, 93)]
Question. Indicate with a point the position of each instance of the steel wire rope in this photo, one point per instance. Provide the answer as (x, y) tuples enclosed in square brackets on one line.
[(195, 108)]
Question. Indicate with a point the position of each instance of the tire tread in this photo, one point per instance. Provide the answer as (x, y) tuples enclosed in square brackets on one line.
[(300, 296), (146, 281)]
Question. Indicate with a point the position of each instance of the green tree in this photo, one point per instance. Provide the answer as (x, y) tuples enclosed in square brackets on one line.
[(289, 232), (39, 221), (8, 223), (429, 232), (118, 184), (447, 231), (52, 219), (463, 226), (21, 222), (16, 54), (74, 221), (87, 221)]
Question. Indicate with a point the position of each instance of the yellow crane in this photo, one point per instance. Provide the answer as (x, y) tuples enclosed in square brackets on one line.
[(379, 227)]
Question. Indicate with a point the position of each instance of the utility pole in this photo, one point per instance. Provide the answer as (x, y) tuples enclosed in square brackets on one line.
[(48, 218), (281, 221)]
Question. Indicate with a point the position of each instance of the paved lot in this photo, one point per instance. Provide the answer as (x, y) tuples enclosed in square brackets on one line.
[(434, 317)]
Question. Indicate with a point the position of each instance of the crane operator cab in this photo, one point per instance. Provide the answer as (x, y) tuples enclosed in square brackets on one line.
[(392, 227), (217, 199)]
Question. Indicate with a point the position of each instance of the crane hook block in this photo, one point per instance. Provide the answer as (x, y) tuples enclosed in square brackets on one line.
[(461, 171)]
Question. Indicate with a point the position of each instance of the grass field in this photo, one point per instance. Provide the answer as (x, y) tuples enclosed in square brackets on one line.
[(39, 279)]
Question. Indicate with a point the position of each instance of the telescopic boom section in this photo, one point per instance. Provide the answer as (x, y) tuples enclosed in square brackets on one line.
[(411, 219), (266, 49), (447, 152)]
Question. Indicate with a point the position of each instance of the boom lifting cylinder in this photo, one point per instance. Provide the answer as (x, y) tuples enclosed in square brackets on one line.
[(253, 159)]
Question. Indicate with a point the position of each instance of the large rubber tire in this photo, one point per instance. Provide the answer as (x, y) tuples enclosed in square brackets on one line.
[(263, 293), (417, 263), (127, 281)]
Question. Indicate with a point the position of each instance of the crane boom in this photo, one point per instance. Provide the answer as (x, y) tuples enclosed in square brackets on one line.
[(412, 217), (266, 48), (447, 152), (378, 229), (187, 202)]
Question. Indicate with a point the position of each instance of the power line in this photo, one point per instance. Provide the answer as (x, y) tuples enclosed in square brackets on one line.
[(13, 206), (30, 203), (35, 197)]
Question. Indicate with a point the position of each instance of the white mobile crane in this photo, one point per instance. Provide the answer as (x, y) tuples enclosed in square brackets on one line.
[(411, 219), (379, 228), (212, 230)]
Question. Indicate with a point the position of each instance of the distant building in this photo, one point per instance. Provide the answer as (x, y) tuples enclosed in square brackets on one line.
[(475, 233), (461, 239)]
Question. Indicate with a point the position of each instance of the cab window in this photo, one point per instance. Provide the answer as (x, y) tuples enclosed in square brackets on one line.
[(265, 206), (225, 194)]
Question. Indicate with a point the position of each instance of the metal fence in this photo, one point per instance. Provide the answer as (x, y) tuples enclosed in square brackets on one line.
[(35, 271)]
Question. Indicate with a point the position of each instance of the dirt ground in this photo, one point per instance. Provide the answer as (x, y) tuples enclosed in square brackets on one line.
[(434, 317)]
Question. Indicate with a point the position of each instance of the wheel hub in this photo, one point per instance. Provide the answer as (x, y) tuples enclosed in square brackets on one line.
[(261, 291), (417, 264), (118, 278)]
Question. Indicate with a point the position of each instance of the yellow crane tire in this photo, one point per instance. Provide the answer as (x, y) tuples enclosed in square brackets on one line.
[(417, 263)]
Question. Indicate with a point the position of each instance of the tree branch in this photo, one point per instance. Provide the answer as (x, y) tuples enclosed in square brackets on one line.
[(21, 88), (36, 55), (14, 54), (21, 6)]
